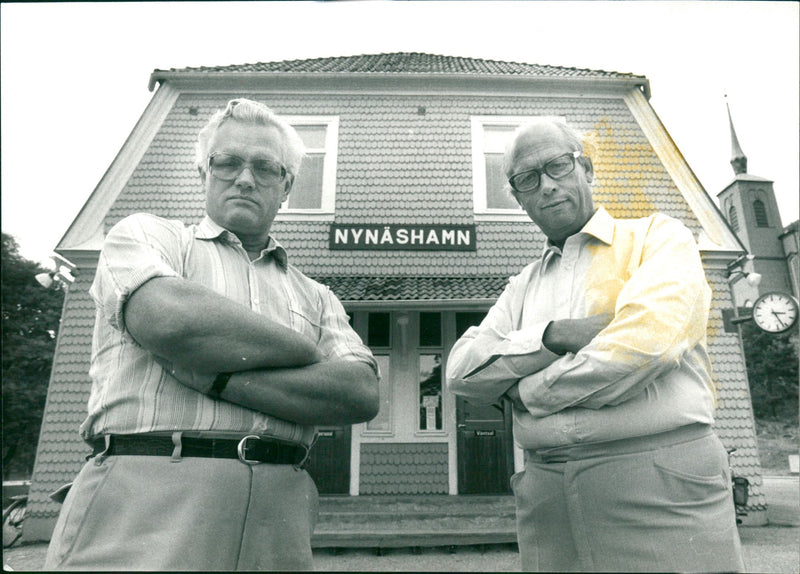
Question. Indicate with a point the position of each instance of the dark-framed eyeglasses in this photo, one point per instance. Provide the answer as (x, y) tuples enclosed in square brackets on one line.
[(529, 181), (228, 166)]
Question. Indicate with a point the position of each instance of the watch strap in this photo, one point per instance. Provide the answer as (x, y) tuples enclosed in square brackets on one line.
[(219, 384)]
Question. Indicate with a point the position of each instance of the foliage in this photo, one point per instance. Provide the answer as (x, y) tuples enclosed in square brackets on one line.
[(772, 369), (31, 316)]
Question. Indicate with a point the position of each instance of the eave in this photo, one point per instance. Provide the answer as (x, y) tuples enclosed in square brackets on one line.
[(427, 83)]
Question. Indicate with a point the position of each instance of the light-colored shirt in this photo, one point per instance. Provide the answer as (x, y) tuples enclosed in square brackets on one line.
[(647, 372), (132, 393)]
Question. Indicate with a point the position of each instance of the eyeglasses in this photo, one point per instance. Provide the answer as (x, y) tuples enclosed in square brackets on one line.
[(227, 167), (528, 181)]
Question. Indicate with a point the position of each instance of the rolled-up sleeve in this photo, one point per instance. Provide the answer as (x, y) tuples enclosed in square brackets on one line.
[(661, 314), (337, 339), (137, 249), (490, 358)]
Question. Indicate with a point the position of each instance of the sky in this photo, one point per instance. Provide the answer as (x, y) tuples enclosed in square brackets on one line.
[(75, 75)]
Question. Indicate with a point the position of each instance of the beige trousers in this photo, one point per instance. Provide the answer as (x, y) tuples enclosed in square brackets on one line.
[(663, 510), (150, 513)]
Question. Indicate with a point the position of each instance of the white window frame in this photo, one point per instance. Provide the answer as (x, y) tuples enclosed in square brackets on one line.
[(329, 165), (479, 123)]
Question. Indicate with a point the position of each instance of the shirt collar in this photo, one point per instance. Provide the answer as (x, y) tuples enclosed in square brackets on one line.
[(209, 229), (600, 225)]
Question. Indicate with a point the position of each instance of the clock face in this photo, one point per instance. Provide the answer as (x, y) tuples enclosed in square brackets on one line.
[(775, 312)]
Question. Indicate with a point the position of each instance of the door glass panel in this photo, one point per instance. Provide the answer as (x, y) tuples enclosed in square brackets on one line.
[(430, 329), (383, 421), (430, 392)]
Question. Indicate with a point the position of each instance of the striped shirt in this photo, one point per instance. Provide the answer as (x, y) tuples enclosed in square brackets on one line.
[(647, 372), (131, 393)]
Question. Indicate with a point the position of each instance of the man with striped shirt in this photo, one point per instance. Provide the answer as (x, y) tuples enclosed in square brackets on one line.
[(213, 360)]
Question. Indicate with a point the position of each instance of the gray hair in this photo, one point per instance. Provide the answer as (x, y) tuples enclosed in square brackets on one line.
[(573, 139), (249, 111)]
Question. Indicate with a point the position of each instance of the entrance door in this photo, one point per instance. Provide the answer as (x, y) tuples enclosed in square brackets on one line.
[(329, 461), (485, 443), (485, 448)]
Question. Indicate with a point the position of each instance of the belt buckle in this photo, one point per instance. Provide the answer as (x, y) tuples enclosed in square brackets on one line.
[(241, 450)]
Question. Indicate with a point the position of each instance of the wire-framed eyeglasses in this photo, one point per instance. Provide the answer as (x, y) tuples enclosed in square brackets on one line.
[(529, 181), (227, 167)]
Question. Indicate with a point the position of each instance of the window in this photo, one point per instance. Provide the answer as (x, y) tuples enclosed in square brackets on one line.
[(379, 339), (429, 375), (733, 218), (430, 329), (490, 135), (761, 213), (314, 188), (382, 423), (430, 391)]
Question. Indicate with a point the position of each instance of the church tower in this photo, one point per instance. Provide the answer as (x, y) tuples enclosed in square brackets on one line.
[(749, 205)]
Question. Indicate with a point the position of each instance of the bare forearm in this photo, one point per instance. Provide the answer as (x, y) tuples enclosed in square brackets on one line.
[(189, 324), (336, 392)]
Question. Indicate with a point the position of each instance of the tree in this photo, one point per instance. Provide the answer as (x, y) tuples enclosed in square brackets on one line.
[(772, 369), (31, 316)]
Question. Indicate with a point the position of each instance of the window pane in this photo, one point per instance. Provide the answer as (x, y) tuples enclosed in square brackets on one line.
[(379, 330), (383, 421), (496, 195), (430, 392), (306, 191), (496, 138), (313, 136), (466, 320), (430, 329)]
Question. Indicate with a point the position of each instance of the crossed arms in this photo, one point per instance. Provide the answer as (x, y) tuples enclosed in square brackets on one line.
[(195, 333), (659, 314), (278, 371)]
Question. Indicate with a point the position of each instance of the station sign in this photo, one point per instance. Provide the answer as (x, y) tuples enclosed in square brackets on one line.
[(403, 237)]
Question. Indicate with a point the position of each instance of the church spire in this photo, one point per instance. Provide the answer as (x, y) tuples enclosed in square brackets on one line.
[(738, 159)]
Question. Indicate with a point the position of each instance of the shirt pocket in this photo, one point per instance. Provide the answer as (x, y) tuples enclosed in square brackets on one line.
[(304, 315)]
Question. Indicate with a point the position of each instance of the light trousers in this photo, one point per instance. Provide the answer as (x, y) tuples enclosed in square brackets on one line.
[(150, 513), (665, 510)]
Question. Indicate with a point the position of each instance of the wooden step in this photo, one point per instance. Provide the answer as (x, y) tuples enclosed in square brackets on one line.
[(407, 521)]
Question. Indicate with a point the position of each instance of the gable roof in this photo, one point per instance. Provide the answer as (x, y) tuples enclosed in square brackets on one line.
[(407, 62), (401, 64)]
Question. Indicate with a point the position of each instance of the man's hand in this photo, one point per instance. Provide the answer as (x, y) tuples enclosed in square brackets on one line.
[(572, 335)]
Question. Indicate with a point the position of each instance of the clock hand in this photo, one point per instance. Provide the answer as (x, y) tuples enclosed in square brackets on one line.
[(778, 319)]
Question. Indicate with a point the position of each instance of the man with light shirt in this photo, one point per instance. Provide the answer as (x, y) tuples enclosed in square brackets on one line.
[(600, 345), (213, 359)]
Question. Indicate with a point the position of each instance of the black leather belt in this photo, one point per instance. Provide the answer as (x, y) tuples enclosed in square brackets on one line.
[(250, 450)]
